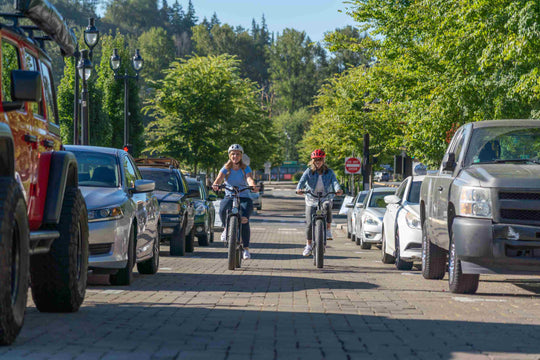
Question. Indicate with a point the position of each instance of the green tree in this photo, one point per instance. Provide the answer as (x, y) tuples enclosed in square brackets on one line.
[(157, 50), (343, 43), (132, 16), (202, 106), (292, 128)]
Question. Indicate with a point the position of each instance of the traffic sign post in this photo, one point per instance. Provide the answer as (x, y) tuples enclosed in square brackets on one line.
[(353, 165)]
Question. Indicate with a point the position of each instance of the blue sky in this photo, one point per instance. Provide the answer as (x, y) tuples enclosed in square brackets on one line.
[(315, 17)]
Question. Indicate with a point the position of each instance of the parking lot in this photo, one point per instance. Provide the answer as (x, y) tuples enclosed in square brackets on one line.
[(279, 306)]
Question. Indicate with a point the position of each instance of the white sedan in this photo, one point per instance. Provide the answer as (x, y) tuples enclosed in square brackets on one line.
[(368, 229), (402, 233)]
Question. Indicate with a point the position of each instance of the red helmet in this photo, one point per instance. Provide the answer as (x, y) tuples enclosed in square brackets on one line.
[(318, 153)]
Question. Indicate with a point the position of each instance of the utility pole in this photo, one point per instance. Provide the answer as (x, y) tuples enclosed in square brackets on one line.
[(366, 168)]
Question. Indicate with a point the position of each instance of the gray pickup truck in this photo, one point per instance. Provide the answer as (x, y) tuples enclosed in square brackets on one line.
[(482, 208)]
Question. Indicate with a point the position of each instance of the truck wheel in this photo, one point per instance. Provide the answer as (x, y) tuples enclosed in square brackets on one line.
[(190, 239), (58, 278), (14, 260), (400, 263), (178, 241), (124, 276), (151, 266), (433, 258), (385, 258), (203, 239), (460, 283), (364, 245)]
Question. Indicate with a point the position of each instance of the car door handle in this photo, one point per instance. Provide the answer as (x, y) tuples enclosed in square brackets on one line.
[(32, 139), (48, 143), (440, 188)]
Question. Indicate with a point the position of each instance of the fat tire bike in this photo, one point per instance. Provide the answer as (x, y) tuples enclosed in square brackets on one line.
[(233, 228), (318, 228)]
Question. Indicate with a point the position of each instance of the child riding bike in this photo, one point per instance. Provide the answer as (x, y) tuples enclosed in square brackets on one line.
[(236, 173), (318, 178)]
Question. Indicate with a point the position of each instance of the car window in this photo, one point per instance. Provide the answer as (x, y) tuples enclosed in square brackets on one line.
[(95, 169), (377, 199), (194, 190), (165, 181), (10, 61), (46, 78), (129, 173), (361, 197), (31, 64), (414, 192), (401, 189)]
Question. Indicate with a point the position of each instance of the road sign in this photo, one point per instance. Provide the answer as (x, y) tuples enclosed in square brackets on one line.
[(353, 165)]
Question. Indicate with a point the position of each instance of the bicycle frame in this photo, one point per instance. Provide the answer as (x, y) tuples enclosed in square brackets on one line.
[(319, 214)]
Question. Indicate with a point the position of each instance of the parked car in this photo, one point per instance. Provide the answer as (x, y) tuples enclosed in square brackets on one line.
[(356, 216), (402, 233), (381, 176), (369, 225), (43, 221), (123, 213), (205, 213), (177, 210), (358, 199)]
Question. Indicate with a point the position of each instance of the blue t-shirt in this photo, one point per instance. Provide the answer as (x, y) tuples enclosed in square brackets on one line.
[(236, 178)]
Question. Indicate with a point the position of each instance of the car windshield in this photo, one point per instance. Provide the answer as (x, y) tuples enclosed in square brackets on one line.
[(504, 145), (165, 180), (414, 194), (377, 199), (361, 197), (97, 169)]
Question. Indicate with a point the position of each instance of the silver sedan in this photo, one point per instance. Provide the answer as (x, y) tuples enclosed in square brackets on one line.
[(123, 213)]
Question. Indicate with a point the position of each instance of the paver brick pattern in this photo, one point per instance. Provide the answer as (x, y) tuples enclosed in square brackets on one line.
[(279, 306)]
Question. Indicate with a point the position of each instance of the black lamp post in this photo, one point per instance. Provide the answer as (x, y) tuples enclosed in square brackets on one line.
[(91, 38), (84, 68), (137, 63)]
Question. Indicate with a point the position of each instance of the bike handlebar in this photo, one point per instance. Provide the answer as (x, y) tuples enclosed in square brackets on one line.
[(319, 194), (235, 189)]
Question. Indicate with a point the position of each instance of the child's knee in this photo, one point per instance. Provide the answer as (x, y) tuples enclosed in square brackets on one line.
[(245, 220)]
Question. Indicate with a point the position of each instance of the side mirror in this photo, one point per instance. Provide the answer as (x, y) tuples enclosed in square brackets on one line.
[(25, 86), (142, 186), (449, 162), (391, 199), (212, 197), (349, 205), (360, 205)]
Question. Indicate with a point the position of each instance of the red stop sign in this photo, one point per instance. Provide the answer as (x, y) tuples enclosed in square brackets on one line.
[(353, 165)]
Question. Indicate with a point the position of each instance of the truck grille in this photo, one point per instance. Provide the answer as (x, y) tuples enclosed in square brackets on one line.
[(519, 207)]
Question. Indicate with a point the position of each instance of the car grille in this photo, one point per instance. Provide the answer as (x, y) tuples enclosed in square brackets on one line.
[(99, 249), (519, 207)]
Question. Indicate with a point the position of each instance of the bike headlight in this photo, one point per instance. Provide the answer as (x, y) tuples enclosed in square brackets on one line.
[(370, 220), (169, 208), (200, 209), (110, 213), (412, 221), (474, 201)]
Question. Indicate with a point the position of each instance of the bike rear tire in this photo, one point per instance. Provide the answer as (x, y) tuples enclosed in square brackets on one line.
[(232, 236), (319, 243)]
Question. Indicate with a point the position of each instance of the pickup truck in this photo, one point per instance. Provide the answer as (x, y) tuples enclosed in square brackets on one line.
[(482, 208)]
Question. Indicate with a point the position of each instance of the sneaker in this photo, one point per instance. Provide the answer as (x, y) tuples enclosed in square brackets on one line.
[(329, 235), (223, 236), (246, 255), (307, 250)]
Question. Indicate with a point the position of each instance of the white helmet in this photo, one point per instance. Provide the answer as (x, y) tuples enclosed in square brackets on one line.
[(245, 159), (236, 147)]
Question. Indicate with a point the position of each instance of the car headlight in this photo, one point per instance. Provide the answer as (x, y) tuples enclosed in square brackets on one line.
[(370, 220), (474, 201), (169, 208), (412, 221), (110, 213), (200, 209)]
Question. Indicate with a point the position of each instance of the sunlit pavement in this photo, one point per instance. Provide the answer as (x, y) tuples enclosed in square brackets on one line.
[(279, 306)]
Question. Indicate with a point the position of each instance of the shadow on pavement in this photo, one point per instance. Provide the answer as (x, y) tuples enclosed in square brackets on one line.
[(225, 332)]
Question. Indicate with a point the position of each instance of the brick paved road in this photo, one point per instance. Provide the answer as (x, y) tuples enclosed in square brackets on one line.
[(278, 306)]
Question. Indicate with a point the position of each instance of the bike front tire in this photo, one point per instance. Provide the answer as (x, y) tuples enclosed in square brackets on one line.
[(232, 236), (319, 243)]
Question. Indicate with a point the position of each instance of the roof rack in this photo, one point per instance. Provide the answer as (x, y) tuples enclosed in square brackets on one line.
[(158, 162)]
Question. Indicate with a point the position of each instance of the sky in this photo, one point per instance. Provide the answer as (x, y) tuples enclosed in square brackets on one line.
[(315, 17)]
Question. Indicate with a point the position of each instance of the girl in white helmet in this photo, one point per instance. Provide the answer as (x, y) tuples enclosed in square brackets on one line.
[(236, 173)]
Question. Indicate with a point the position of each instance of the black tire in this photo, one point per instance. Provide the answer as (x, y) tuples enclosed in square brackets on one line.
[(458, 282), (203, 239), (232, 235), (238, 257), (259, 208), (356, 239), (385, 258), (58, 278), (178, 241), (400, 263), (433, 258), (14, 260), (319, 243), (151, 266), (364, 245), (190, 240), (124, 276)]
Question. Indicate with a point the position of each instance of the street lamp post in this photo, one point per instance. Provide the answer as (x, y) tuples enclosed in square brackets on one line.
[(91, 38), (137, 64)]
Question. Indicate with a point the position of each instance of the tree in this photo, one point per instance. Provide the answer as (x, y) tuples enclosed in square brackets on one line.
[(157, 50), (292, 128), (131, 16), (343, 43), (202, 106)]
